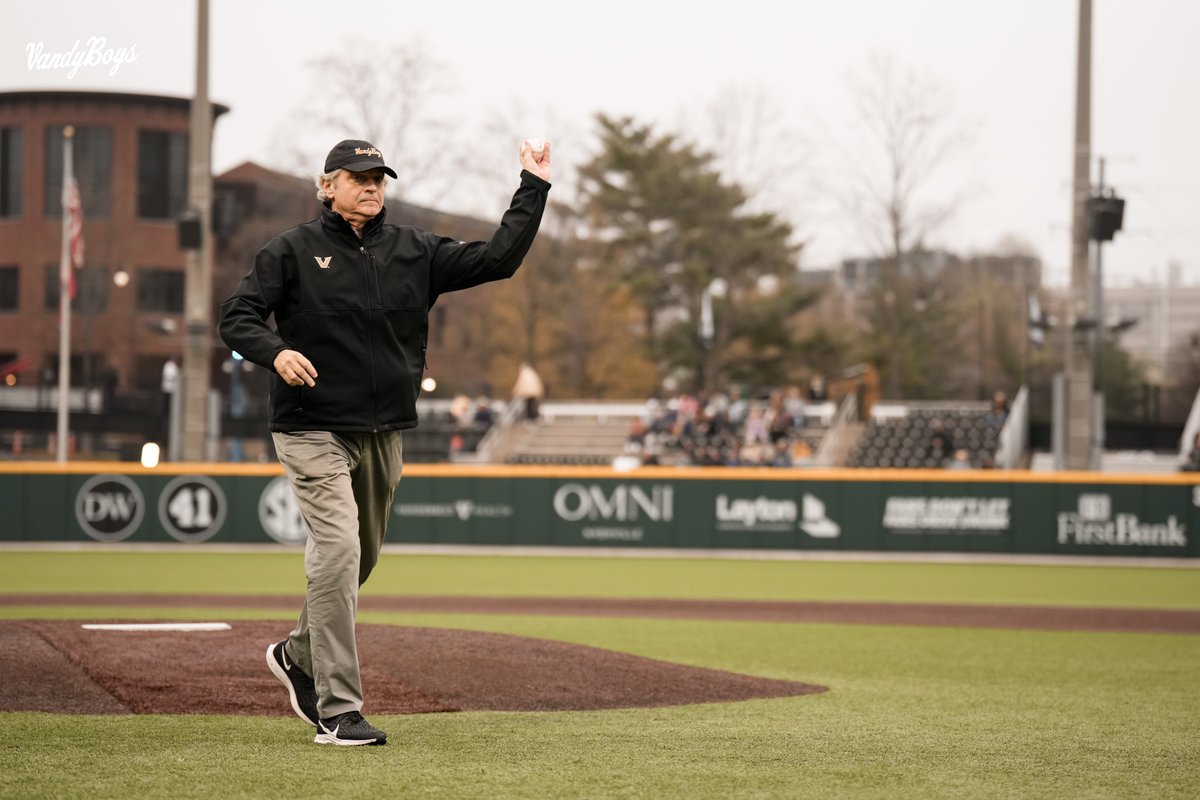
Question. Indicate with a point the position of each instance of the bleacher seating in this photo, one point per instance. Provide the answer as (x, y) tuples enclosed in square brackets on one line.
[(680, 431), (903, 436), (438, 439)]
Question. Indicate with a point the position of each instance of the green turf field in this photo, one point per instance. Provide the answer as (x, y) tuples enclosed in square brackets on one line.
[(911, 712)]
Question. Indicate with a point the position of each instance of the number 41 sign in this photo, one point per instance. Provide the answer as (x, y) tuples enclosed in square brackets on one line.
[(192, 508)]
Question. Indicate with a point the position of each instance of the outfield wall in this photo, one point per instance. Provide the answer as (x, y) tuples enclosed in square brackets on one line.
[(863, 510)]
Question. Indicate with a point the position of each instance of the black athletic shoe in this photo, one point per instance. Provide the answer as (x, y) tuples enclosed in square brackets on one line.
[(348, 729), (300, 686)]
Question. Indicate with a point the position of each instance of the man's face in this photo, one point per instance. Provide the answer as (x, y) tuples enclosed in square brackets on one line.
[(357, 196)]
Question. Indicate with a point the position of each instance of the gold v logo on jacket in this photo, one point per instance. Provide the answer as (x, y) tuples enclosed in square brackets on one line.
[(323, 263)]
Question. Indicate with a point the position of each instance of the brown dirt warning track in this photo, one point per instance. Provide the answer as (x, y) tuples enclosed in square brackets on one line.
[(57, 666)]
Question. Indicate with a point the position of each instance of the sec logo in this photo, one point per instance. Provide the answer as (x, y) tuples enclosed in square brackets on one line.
[(279, 513)]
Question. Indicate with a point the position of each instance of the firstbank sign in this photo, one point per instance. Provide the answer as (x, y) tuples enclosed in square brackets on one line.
[(1095, 523), (622, 503)]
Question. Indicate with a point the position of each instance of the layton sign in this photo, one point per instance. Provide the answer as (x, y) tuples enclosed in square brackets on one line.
[(768, 514)]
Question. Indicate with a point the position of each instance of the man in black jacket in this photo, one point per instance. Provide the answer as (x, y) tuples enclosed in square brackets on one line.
[(351, 298)]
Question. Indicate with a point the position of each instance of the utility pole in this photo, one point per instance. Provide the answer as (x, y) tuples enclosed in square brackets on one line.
[(1079, 406), (1097, 339), (197, 351)]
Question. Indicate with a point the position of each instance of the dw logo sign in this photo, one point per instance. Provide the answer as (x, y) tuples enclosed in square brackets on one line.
[(109, 508)]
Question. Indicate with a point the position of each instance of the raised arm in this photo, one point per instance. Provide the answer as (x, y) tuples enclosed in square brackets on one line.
[(459, 265)]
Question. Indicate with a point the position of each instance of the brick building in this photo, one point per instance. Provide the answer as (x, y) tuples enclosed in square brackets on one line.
[(130, 157)]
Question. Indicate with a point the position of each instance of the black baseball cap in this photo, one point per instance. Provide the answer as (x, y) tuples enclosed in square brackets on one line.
[(356, 155)]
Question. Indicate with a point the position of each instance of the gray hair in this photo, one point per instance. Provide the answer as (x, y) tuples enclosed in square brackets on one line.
[(321, 180), (329, 177)]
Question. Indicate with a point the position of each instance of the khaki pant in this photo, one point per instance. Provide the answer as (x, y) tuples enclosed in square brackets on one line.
[(344, 484)]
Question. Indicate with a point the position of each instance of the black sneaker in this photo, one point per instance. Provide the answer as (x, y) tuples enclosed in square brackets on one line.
[(348, 729), (300, 686)]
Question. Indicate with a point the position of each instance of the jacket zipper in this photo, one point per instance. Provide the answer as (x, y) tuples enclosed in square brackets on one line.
[(368, 274)]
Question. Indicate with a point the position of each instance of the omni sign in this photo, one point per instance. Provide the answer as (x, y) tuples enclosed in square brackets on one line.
[(574, 502)]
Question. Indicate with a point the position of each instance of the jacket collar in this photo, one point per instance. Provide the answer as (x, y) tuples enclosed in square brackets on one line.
[(336, 223)]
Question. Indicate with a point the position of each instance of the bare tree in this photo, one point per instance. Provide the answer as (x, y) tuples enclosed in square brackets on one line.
[(393, 97), (490, 176), (906, 136), (754, 144)]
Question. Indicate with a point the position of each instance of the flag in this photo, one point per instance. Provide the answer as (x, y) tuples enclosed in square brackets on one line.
[(73, 219)]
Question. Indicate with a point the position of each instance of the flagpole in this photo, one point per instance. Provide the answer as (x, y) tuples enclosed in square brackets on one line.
[(64, 300)]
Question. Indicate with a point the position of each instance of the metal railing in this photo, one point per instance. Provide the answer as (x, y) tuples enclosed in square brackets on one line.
[(1190, 428), (1014, 436), (832, 443)]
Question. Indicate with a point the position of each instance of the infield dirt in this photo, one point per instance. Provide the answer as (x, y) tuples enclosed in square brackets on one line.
[(57, 666)]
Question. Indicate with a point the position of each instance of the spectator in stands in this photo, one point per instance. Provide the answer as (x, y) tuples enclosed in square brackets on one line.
[(528, 389), (1192, 462), (755, 430), (460, 409), (779, 421), (961, 460), (941, 443), (782, 455), (816, 389), (998, 412), (749, 456), (802, 453), (738, 407), (637, 433), (716, 404), (688, 406), (483, 412), (652, 413), (794, 403)]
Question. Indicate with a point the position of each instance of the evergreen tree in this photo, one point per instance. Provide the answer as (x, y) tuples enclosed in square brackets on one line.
[(665, 225)]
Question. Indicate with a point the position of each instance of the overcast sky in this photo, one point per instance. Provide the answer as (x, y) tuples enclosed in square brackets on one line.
[(1008, 70)]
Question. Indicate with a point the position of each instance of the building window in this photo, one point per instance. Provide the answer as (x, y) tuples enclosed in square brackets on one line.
[(93, 169), (10, 287), (160, 290), (87, 369), (162, 174), (91, 289), (11, 172)]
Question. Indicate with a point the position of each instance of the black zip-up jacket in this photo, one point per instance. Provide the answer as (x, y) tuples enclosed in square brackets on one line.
[(359, 309)]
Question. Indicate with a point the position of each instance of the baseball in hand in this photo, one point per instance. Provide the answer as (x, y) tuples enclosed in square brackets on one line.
[(537, 146)]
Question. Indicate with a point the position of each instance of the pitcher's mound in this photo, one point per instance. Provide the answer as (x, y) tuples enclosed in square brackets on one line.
[(57, 666)]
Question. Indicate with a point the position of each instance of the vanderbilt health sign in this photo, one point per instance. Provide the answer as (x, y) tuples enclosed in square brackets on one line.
[(791, 510)]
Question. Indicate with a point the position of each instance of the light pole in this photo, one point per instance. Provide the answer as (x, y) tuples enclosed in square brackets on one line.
[(1105, 213), (197, 336)]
